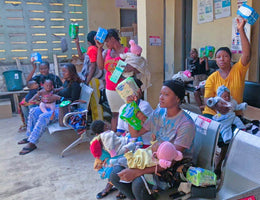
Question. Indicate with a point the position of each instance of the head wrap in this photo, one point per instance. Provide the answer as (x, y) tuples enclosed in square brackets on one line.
[(177, 87)]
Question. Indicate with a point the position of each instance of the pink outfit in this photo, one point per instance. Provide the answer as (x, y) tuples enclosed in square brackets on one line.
[(44, 105), (110, 65)]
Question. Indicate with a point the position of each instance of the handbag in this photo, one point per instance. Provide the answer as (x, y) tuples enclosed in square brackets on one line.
[(64, 108)]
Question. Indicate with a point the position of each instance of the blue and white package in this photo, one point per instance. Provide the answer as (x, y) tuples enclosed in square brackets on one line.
[(36, 57), (101, 35), (248, 13)]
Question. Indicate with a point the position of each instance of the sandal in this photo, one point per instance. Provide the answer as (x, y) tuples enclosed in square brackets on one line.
[(23, 141), (104, 193), (26, 150), (120, 195)]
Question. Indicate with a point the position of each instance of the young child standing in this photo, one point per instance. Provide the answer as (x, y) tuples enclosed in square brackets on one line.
[(44, 94), (33, 89)]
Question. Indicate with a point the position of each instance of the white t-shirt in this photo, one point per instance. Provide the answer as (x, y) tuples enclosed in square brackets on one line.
[(146, 108)]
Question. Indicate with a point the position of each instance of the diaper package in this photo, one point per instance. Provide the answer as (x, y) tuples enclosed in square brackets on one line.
[(210, 50), (248, 13), (201, 177), (118, 71), (101, 35), (129, 115), (36, 57), (127, 88)]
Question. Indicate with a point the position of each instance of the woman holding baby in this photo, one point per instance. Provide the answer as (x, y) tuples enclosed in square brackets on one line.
[(169, 123), (108, 60), (38, 120), (233, 77)]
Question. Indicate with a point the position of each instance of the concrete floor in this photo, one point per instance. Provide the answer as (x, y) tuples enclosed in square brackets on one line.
[(43, 174)]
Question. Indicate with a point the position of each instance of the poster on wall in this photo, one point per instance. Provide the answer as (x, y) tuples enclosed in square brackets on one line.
[(236, 41), (222, 8), (240, 2), (155, 41), (126, 3), (205, 11)]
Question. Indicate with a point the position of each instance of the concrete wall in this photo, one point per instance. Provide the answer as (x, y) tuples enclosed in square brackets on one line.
[(169, 38), (218, 33), (150, 18), (103, 13)]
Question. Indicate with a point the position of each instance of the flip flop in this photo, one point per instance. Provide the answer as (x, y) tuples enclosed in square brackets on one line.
[(26, 150), (102, 194), (23, 141)]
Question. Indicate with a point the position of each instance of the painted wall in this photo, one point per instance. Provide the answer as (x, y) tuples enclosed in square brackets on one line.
[(173, 37), (150, 14), (169, 38), (103, 13), (218, 33)]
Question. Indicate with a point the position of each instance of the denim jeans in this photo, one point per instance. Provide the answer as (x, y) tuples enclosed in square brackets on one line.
[(134, 190)]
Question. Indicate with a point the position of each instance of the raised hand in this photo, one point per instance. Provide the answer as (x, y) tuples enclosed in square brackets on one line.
[(241, 22)]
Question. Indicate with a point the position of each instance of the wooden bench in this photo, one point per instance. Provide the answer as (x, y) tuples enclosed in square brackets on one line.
[(241, 174), (85, 95), (15, 95)]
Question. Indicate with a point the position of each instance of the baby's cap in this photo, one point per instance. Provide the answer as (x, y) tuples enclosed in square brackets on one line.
[(221, 89), (95, 148), (166, 153), (135, 48)]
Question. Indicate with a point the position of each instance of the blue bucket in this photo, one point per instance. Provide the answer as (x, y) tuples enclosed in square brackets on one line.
[(13, 80)]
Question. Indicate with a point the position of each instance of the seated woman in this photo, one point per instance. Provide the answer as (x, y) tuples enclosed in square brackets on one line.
[(25, 106), (122, 129), (233, 77), (198, 67), (169, 123), (38, 120)]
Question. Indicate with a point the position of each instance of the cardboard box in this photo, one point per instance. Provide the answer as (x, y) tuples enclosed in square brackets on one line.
[(5, 108)]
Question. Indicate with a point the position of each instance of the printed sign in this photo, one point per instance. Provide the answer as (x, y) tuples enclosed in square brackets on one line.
[(249, 198), (126, 3), (222, 8), (205, 11), (236, 46), (202, 124), (155, 41)]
